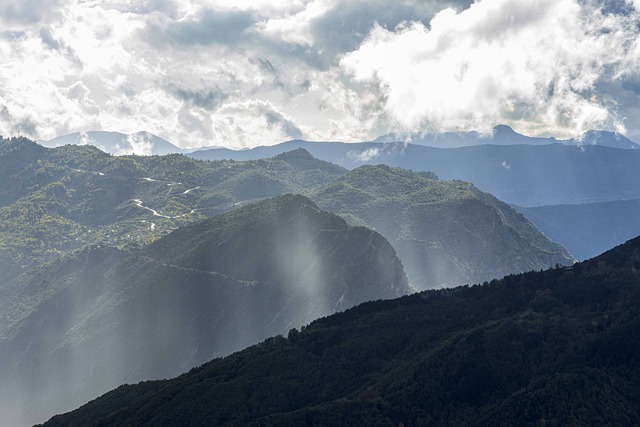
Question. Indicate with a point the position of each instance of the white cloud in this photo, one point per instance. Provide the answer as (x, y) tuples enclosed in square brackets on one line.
[(245, 124), (530, 64), (295, 27), (365, 155), (139, 143), (314, 69)]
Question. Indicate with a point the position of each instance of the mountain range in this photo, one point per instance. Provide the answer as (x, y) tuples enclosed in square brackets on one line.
[(66, 198), (596, 166), (588, 229), (74, 328), (145, 143), (504, 135), (140, 143), (557, 347), (524, 175)]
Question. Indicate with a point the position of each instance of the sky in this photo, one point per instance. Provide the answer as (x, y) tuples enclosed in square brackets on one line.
[(253, 72)]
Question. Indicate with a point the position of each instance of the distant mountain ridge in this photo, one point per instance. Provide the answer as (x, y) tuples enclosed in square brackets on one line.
[(145, 143), (138, 143), (100, 317), (556, 347), (524, 175), (587, 229), (505, 135)]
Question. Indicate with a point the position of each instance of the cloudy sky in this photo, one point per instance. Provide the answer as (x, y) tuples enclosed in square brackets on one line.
[(253, 72)]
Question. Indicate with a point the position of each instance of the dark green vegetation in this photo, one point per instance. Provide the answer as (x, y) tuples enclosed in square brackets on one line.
[(100, 317), (588, 229), (525, 175), (57, 200), (446, 233), (558, 347)]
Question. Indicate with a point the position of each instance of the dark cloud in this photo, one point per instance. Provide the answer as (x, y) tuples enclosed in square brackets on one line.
[(5, 116), (17, 126), (143, 7), (48, 38), (269, 69), (276, 119), (29, 12), (305, 85), (209, 99), (616, 7), (343, 28), (625, 97), (632, 84), (13, 35), (207, 28), (27, 127)]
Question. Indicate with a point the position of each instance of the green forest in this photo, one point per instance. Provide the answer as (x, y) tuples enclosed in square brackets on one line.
[(549, 348)]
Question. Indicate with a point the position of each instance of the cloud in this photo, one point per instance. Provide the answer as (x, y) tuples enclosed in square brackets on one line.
[(346, 24), (250, 121), (531, 64), (364, 156), (85, 139), (139, 144), (142, 7), (206, 27), (275, 119), (29, 12), (250, 72), (208, 98)]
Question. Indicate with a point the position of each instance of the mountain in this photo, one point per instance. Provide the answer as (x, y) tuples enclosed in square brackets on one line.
[(116, 143), (97, 318), (557, 347), (446, 233), (505, 135), (501, 135), (587, 229), (524, 175), (56, 200), (604, 139)]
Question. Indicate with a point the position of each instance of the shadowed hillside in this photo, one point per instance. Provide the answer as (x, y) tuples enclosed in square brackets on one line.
[(100, 317), (447, 233), (557, 347)]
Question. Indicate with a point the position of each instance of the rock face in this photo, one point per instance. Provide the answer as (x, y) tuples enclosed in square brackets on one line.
[(102, 317), (446, 233), (559, 346)]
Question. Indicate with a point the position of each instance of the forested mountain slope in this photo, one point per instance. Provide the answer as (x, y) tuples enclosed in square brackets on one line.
[(446, 233), (557, 347), (60, 199)]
